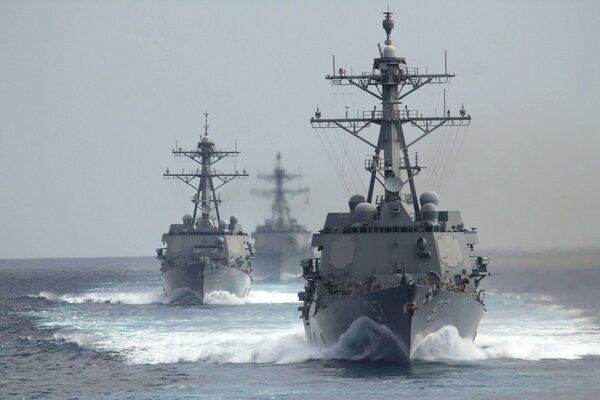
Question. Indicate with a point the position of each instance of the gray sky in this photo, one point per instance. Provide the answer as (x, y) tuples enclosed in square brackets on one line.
[(94, 95)]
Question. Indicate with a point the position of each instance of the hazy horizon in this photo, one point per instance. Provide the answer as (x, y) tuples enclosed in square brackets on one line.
[(94, 95)]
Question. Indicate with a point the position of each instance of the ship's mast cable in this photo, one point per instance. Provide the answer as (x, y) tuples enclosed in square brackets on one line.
[(327, 148)]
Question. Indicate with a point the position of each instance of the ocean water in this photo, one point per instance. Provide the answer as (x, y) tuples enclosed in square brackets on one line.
[(102, 328)]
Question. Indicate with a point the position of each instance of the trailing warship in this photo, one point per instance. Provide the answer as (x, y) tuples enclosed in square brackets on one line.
[(281, 242), (395, 268), (205, 254)]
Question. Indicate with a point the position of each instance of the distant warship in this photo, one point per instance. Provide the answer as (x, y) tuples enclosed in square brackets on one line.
[(393, 269), (281, 242), (206, 254)]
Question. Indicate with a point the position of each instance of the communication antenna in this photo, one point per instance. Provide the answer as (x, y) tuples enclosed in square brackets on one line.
[(446, 61), (206, 123)]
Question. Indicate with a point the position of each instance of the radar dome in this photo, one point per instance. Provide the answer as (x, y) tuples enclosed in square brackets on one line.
[(187, 220), (389, 51), (355, 200), (429, 211), (365, 211), (233, 220), (205, 139), (429, 197)]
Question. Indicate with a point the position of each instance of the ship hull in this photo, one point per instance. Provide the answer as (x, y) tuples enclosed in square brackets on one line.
[(278, 266), (219, 278), (378, 323)]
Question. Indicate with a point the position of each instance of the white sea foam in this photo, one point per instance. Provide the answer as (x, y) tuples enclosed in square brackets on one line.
[(252, 334), (289, 345), (154, 296), (107, 297), (254, 297), (264, 296), (222, 297), (519, 327), (239, 346), (447, 345), (81, 339)]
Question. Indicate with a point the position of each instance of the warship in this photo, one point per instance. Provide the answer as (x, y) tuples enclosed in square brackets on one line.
[(394, 268), (280, 242), (206, 254)]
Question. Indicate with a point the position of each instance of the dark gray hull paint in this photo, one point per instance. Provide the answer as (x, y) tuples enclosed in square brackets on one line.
[(377, 319), (191, 277)]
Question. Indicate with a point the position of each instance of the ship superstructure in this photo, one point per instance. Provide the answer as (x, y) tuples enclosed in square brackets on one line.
[(204, 253), (281, 242), (394, 266)]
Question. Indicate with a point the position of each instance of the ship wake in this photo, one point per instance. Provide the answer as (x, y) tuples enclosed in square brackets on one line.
[(447, 345), (134, 297), (254, 297), (258, 333)]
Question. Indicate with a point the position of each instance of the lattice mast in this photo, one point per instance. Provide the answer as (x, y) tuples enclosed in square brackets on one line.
[(390, 81), (206, 155), (281, 210)]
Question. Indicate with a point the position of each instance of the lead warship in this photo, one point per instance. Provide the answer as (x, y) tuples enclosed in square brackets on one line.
[(206, 254), (281, 242), (394, 269)]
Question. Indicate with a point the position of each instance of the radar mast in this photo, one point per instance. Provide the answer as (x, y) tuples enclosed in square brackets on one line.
[(281, 211), (391, 81), (201, 179)]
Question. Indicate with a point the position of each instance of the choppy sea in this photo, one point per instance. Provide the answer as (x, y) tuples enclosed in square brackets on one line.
[(102, 329)]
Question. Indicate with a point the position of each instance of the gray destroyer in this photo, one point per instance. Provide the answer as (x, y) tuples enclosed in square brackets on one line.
[(395, 268), (205, 254), (280, 242)]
